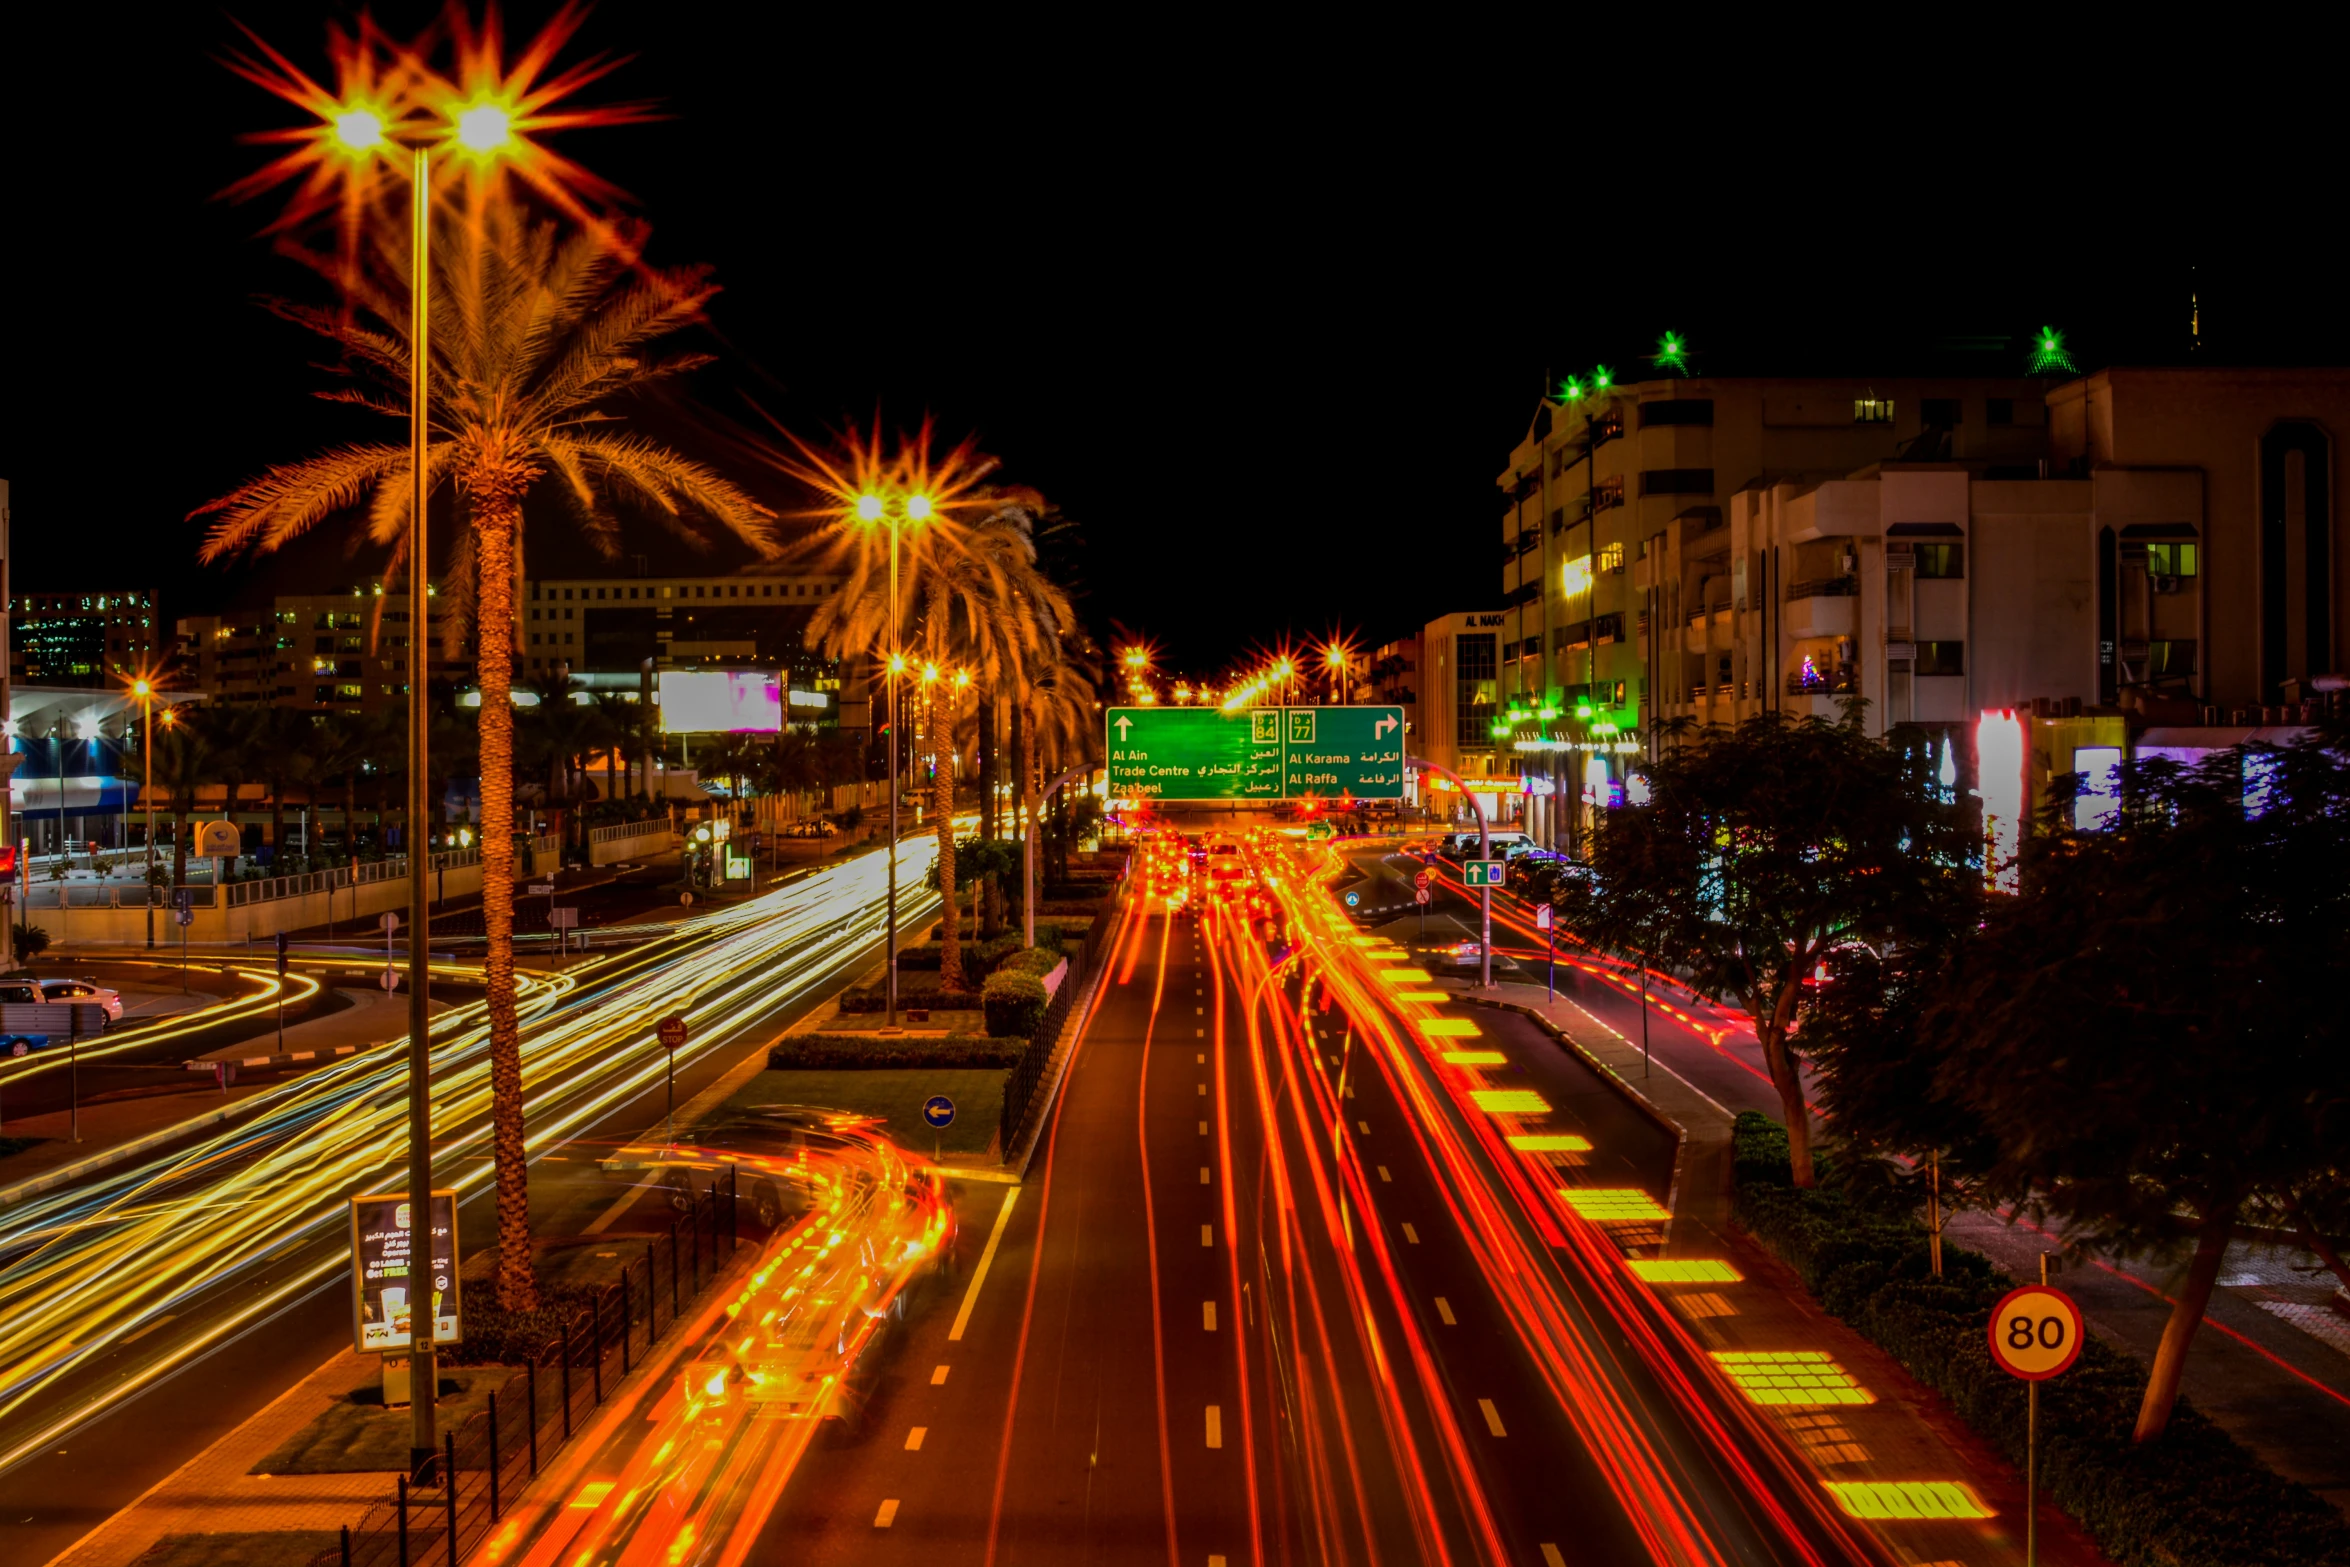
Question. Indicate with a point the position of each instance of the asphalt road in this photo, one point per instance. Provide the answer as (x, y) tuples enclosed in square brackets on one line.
[(1271, 1293)]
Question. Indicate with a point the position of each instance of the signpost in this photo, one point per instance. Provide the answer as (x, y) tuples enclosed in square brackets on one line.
[(1255, 754), (386, 1286), (671, 1031), (2035, 1335), (938, 1113), (1483, 873), (1550, 967), (565, 921)]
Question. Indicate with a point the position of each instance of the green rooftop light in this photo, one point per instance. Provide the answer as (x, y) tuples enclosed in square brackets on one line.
[(1672, 353), (2048, 355), (1602, 378), (1570, 390)]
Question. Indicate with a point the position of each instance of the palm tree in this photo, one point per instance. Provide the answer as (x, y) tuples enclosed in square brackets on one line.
[(184, 763), (1060, 722), (535, 336)]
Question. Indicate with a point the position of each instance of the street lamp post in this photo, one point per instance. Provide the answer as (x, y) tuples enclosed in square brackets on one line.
[(1484, 852), (873, 508), (146, 694)]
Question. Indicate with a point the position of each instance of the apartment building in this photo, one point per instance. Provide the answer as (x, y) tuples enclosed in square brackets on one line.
[(343, 651), (613, 624), (81, 638), (1459, 687)]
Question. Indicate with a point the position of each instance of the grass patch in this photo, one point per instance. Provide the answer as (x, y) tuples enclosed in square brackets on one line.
[(357, 1435), (284, 1548), (895, 1096)]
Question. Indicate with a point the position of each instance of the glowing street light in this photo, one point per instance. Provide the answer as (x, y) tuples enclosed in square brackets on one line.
[(873, 507)]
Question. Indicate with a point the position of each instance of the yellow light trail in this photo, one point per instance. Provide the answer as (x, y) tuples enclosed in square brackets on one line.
[(85, 1269)]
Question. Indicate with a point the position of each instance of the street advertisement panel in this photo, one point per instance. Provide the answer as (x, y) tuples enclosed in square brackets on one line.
[(385, 1290), (721, 701)]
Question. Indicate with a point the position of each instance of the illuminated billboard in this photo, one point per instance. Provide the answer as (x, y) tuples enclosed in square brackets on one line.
[(729, 701)]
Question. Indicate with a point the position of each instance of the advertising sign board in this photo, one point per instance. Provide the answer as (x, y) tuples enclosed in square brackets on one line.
[(385, 1286), (721, 701)]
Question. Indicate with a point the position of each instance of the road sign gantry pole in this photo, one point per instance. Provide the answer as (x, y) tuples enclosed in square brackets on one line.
[(1484, 852)]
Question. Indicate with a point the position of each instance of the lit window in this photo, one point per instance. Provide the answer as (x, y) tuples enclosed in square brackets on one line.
[(1872, 410), (1799, 1378), (2170, 560), (1611, 557)]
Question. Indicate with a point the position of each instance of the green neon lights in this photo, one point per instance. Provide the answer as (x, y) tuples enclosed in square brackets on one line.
[(2048, 355), (1672, 353)]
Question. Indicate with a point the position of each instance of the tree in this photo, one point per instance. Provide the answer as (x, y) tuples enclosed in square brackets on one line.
[(1762, 849), (31, 941), (2150, 1036), (184, 763), (537, 341)]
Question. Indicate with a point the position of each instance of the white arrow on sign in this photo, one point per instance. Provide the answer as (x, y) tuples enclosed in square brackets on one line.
[(1124, 724), (1381, 727)]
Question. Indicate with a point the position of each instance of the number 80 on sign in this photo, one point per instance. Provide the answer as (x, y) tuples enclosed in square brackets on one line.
[(2035, 1332)]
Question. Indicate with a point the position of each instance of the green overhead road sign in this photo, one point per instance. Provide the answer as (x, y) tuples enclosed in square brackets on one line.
[(1262, 753)]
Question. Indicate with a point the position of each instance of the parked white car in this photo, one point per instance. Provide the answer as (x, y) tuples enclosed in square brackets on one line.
[(83, 990)]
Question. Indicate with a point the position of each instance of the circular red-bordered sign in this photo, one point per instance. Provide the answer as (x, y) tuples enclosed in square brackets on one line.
[(2036, 1332), (671, 1031)]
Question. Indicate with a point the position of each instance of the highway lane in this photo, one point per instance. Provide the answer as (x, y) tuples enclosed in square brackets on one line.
[(111, 1289)]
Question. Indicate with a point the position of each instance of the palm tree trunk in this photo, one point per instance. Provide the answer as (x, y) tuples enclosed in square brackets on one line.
[(987, 810), (497, 503)]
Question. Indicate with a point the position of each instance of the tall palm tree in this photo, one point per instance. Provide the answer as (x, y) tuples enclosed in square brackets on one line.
[(536, 339), (184, 763)]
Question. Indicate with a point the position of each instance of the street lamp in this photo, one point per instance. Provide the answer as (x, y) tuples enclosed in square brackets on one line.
[(1335, 657), (144, 690), (872, 507)]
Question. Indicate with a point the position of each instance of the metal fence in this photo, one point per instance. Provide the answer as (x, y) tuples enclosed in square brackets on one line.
[(1021, 1082), (443, 1510)]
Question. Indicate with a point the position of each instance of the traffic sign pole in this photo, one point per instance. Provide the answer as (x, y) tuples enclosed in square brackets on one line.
[(2036, 1334)]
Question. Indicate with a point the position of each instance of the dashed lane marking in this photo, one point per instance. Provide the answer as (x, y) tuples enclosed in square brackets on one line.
[(1207, 1235), (1215, 1426), (1383, 1175), (1492, 1417), (1207, 1315), (1203, 1128), (914, 1438), (1364, 1127), (888, 1514), (995, 1238), (1444, 1312), (938, 1377), (1203, 1175), (1551, 1556), (1411, 1235)]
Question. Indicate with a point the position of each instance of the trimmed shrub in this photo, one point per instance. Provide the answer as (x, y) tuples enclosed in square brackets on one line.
[(918, 960), (914, 990), (1039, 961), (859, 1053), (2194, 1498), (1014, 1004)]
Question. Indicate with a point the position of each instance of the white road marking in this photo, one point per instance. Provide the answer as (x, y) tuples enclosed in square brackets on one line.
[(1203, 1128), (1202, 1058), (1365, 1127), (1215, 1426), (1207, 1235), (1203, 1090), (1199, 1033), (914, 1438), (888, 1514), (1198, 1011), (1383, 1175), (1443, 1311), (1492, 1417), (986, 1260), (1203, 1175), (938, 1377), (1411, 1235), (1551, 1556), (1207, 1315)]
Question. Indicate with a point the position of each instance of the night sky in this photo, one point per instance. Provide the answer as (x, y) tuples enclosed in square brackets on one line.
[(1264, 314)]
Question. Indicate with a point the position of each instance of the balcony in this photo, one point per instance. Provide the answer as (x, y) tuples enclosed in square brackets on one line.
[(1820, 616), (1843, 680)]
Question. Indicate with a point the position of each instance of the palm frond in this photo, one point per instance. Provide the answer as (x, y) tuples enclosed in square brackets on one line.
[(287, 501)]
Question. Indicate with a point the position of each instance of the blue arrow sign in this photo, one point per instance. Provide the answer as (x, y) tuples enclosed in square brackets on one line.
[(1352, 899), (939, 1111)]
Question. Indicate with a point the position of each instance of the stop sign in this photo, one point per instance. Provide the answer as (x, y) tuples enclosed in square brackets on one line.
[(1421, 880), (671, 1030)]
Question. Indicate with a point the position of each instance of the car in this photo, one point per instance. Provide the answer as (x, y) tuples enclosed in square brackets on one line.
[(817, 827), (83, 990)]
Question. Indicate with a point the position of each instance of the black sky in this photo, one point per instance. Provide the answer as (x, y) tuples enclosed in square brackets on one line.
[(1264, 313)]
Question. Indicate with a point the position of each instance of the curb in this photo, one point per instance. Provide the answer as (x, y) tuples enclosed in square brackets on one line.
[(289, 1058), (1613, 1079), (1080, 1012)]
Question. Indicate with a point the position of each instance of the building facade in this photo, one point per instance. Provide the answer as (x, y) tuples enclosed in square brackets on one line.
[(1459, 687), (614, 624), (82, 639), (342, 652)]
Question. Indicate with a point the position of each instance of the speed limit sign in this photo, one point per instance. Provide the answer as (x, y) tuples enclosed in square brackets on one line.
[(2036, 1332)]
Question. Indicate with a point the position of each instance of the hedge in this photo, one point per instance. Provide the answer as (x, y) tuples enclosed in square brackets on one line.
[(1014, 1003), (1039, 961), (921, 990), (864, 1052), (2193, 1498)]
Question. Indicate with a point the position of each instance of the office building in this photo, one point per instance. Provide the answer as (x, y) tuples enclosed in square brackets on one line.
[(82, 638), (333, 652), (613, 624)]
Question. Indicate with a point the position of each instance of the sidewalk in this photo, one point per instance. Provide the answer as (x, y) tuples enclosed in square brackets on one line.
[(1898, 1433), (213, 1493)]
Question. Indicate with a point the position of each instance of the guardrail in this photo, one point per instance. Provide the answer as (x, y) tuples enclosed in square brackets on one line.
[(241, 893), (618, 830)]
